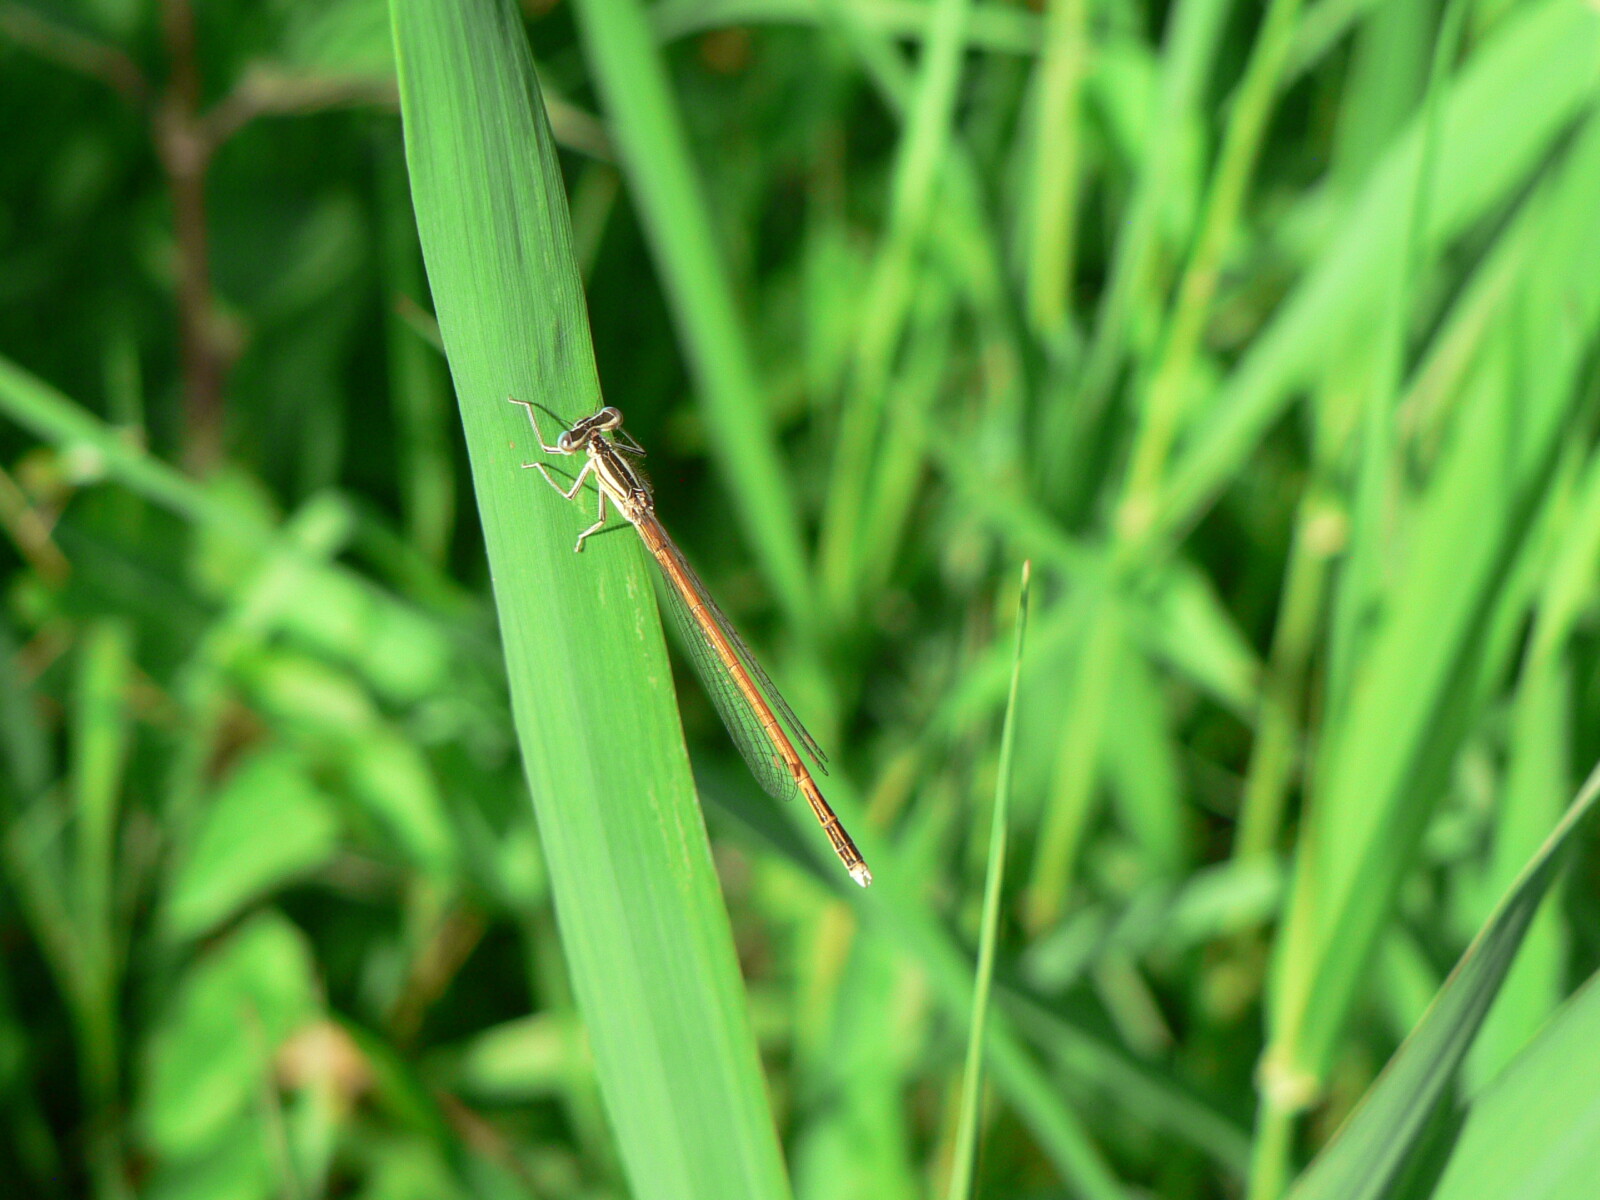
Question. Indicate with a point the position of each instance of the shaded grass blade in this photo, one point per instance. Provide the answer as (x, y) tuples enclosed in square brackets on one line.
[(645, 937)]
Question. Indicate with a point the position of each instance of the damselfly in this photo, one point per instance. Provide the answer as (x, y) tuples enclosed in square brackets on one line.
[(750, 705)]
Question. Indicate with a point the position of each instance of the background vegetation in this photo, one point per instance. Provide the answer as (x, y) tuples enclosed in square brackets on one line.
[(1267, 331)]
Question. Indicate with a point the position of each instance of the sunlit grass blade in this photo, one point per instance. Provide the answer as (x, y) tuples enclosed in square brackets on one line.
[(1378, 450), (1188, 49), (1052, 195), (1374, 1146), (1067, 816), (966, 1147), (644, 934), (1536, 785)]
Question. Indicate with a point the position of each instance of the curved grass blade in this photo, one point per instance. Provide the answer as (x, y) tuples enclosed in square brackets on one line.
[(1536, 1129), (645, 936), (1375, 1145)]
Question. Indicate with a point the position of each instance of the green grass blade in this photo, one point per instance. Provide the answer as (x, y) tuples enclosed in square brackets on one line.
[(101, 737), (1499, 119), (1083, 1060), (1359, 591), (645, 936), (992, 26), (24, 747), (1536, 1129), (914, 187), (1189, 47), (37, 406), (663, 182), (1536, 784), (1374, 1146), (1404, 699), (1541, 733), (1274, 757), (1388, 73), (418, 395), (966, 1148), (1052, 195), (1322, 26), (1166, 396), (1074, 790), (897, 912)]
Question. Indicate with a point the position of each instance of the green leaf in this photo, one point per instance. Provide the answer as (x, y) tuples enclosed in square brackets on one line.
[(391, 778), (644, 933), (525, 1058)]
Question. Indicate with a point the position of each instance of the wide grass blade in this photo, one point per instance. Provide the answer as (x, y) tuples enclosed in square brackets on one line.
[(1536, 1130), (1375, 1145), (644, 934)]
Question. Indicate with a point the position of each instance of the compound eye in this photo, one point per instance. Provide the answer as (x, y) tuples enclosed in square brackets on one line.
[(564, 442), (610, 417)]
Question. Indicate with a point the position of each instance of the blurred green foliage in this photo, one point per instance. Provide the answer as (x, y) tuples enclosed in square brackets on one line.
[(1267, 331)]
